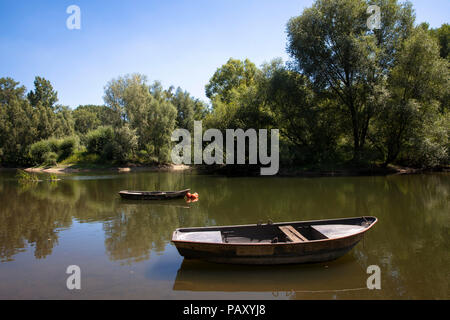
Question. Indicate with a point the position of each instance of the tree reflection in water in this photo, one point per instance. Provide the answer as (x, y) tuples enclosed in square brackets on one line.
[(410, 242)]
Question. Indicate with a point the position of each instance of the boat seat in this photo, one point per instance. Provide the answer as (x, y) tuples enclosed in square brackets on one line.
[(292, 234)]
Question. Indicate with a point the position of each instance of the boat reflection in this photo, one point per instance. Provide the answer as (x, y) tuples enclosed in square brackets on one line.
[(176, 203), (288, 280)]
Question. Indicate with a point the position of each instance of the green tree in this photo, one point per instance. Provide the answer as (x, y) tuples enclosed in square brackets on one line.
[(234, 75), (188, 108), (331, 44), (17, 131), (10, 89), (236, 98), (410, 116), (146, 108), (442, 35), (90, 117), (307, 120), (43, 93), (161, 117)]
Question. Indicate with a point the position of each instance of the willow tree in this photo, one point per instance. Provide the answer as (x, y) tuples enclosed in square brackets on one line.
[(189, 109), (332, 44), (233, 75), (146, 109), (412, 117)]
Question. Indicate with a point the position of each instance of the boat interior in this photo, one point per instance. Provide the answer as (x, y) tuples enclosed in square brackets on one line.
[(294, 232)]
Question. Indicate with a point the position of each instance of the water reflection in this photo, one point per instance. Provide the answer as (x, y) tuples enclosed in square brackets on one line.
[(279, 280), (410, 242)]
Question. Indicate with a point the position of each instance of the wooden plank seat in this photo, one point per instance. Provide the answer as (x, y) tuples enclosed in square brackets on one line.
[(292, 234)]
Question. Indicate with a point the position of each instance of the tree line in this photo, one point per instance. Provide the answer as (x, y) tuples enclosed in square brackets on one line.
[(348, 95)]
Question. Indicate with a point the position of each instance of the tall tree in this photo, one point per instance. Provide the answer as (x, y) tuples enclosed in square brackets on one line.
[(188, 108), (17, 128), (410, 116), (331, 44), (43, 93), (307, 120), (10, 89), (233, 75), (146, 108), (90, 117), (442, 35)]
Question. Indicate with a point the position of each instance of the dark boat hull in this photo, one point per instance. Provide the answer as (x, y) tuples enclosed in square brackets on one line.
[(270, 253), (156, 195)]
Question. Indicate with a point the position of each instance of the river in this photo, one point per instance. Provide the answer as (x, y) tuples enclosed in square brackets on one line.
[(124, 251)]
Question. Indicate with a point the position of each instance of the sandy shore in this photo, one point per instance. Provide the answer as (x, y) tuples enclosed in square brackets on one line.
[(74, 169)]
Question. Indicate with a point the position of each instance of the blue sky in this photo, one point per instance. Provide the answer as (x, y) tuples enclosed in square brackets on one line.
[(179, 42)]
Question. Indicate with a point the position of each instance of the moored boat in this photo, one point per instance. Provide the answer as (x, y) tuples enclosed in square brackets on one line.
[(153, 195), (273, 243)]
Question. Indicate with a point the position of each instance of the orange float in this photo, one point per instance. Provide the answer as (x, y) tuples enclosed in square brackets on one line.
[(192, 197)]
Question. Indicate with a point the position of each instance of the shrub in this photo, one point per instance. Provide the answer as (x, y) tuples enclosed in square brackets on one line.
[(50, 158), (38, 150), (96, 140), (53, 144), (119, 145), (50, 151), (125, 144), (67, 147)]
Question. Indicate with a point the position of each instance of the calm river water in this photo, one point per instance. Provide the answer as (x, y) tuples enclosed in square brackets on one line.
[(124, 251)]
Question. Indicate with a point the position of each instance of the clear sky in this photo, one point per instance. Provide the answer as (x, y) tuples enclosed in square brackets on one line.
[(179, 42)]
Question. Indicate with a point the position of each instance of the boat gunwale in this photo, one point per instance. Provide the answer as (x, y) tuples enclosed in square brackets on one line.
[(143, 193), (278, 243)]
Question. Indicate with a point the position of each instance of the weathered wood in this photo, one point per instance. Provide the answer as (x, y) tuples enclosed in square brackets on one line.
[(292, 234), (153, 195), (209, 236), (267, 243)]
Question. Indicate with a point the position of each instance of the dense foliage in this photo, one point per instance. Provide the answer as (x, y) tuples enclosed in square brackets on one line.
[(349, 95)]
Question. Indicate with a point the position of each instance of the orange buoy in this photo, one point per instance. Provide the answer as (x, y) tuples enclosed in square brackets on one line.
[(191, 197)]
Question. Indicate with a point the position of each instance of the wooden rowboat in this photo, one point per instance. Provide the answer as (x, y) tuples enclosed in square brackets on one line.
[(153, 195), (273, 243)]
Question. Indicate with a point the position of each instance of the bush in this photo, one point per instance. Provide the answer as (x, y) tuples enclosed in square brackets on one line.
[(119, 145), (53, 144), (50, 151), (125, 144), (50, 159), (67, 147), (38, 150), (96, 140)]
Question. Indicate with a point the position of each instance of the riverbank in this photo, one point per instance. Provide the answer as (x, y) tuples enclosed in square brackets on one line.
[(362, 171), (239, 170), (61, 169)]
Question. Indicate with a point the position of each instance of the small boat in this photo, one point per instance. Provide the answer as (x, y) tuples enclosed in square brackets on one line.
[(153, 195), (273, 243)]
